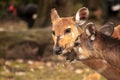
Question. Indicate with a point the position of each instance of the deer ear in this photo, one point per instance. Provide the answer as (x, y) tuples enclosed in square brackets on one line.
[(54, 15), (82, 15), (107, 29), (90, 30)]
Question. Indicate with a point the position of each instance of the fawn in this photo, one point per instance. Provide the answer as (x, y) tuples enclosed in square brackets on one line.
[(64, 30)]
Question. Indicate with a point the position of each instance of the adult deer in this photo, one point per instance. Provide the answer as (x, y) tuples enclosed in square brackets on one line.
[(65, 32), (102, 48)]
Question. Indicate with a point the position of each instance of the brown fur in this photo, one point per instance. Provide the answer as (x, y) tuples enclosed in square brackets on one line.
[(106, 48), (105, 69), (60, 26), (108, 71)]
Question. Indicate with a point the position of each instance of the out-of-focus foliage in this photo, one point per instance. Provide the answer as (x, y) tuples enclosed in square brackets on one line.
[(98, 9)]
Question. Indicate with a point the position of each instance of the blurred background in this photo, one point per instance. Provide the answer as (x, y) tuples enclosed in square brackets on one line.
[(26, 43)]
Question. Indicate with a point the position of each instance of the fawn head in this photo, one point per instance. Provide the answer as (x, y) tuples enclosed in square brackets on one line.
[(65, 31)]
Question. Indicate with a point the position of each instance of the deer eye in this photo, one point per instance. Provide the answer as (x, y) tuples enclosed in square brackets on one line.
[(68, 30), (53, 32)]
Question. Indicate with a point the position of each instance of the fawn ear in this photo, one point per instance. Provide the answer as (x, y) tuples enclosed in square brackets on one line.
[(54, 15), (90, 30), (82, 16), (107, 29)]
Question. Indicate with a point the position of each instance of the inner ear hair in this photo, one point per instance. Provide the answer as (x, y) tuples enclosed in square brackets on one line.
[(90, 29), (54, 15), (107, 29), (82, 16), (92, 37)]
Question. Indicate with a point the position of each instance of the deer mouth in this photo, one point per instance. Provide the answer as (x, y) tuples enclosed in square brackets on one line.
[(73, 55), (70, 56)]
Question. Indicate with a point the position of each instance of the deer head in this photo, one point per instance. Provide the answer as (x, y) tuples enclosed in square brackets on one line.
[(65, 31), (90, 39)]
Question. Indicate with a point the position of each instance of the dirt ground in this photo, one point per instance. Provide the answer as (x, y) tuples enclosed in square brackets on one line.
[(53, 68)]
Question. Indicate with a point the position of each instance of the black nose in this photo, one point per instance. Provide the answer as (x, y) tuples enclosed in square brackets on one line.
[(58, 50)]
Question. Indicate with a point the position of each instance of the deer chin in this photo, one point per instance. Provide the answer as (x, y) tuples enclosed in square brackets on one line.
[(80, 54), (67, 50), (64, 51)]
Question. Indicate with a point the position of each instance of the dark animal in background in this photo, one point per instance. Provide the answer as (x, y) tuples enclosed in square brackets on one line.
[(27, 12), (112, 9)]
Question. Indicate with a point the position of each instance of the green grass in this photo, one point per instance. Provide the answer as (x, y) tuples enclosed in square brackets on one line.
[(38, 70)]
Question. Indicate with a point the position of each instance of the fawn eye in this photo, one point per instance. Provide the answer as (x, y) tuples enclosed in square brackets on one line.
[(53, 32), (68, 30)]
